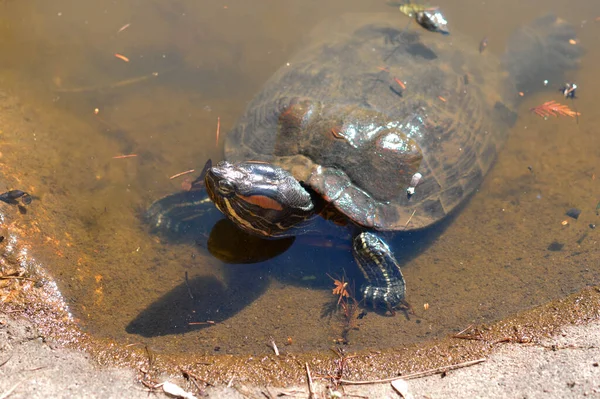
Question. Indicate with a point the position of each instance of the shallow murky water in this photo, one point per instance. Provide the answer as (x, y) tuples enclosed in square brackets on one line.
[(192, 63)]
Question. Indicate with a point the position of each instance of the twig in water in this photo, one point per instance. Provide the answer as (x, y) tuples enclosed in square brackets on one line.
[(341, 364), (410, 218), (121, 57), (187, 284), (194, 376), (311, 392), (150, 358), (421, 374), (115, 85), (199, 323), (125, 156), (471, 336), (182, 173), (465, 330), (400, 83), (468, 337), (123, 28), (218, 128)]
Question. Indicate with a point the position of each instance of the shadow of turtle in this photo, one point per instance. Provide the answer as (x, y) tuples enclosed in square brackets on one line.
[(250, 262), (198, 303)]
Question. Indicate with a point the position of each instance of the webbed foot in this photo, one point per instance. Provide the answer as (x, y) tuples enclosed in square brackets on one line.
[(385, 286)]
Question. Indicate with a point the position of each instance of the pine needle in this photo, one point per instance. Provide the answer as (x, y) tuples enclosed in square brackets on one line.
[(552, 108)]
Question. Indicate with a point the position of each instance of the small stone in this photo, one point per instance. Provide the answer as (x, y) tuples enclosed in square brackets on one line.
[(574, 213), (401, 386), (555, 246)]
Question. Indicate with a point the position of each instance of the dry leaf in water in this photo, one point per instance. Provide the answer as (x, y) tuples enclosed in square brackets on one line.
[(552, 108)]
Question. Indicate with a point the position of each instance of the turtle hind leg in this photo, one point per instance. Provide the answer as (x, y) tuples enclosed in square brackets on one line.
[(385, 284), (543, 50)]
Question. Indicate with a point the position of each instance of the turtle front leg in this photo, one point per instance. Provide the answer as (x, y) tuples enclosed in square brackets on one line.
[(385, 283)]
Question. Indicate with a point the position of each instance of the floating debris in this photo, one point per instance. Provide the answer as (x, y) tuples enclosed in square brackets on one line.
[(121, 57), (125, 156), (123, 28), (182, 173), (568, 90), (340, 288), (429, 17), (552, 108), (574, 213), (483, 45), (433, 21), (414, 182), (218, 129), (400, 83)]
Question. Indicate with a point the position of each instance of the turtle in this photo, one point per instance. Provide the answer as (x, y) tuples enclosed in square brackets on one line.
[(379, 129)]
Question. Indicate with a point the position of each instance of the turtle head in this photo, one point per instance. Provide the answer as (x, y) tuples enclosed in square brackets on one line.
[(260, 198)]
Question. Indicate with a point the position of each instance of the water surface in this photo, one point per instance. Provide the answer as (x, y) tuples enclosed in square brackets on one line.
[(192, 63)]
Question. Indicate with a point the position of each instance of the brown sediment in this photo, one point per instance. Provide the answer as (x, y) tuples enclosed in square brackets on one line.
[(89, 242), (51, 230), (41, 303)]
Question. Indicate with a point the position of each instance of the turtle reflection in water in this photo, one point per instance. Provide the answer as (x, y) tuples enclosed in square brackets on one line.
[(329, 133)]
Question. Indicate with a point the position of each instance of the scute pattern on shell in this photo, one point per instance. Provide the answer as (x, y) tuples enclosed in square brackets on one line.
[(458, 123)]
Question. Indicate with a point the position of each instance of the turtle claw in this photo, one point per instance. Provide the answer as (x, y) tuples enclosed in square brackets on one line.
[(386, 286), (390, 297)]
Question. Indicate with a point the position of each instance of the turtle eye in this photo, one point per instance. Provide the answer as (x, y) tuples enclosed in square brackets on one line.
[(225, 187)]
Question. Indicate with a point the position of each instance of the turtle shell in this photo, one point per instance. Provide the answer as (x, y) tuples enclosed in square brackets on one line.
[(365, 106)]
